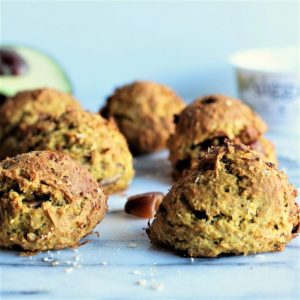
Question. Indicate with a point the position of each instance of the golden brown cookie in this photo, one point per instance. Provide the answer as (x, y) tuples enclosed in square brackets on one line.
[(208, 121), (144, 113), (47, 201), (89, 139), (262, 146), (233, 203), (266, 148), (24, 109)]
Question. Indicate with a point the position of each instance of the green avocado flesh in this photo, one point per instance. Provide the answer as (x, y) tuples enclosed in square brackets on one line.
[(42, 72)]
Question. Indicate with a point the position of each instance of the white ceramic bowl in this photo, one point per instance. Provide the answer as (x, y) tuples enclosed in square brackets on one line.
[(269, 81)]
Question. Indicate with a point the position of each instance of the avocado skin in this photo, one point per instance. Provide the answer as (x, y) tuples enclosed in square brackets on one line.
[(10, 85)]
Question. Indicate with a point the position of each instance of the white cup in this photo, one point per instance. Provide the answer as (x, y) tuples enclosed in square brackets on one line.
[(269, 81)]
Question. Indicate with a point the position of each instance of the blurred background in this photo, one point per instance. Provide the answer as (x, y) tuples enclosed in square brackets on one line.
[(104, 44)]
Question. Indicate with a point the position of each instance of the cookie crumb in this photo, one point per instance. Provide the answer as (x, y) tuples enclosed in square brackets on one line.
[(132, 245), (55, 263), (69, 270), (142, 282), (136, 272), (157, 286), (48, 259)]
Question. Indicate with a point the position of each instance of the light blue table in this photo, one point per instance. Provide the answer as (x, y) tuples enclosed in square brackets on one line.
[(122, 264)]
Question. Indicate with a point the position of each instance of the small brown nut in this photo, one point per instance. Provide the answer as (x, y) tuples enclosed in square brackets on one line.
[(144, 205)]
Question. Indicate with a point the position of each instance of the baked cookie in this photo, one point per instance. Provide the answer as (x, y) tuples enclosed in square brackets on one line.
[(47, 201), (232, 203), (89, 139), (266, 148), (208, 121), (24, 109), (144, 113)]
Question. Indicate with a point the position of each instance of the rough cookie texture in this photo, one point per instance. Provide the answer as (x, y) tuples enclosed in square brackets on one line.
[(144, 112), (266, 148), (232, 203), (47, 201), (208, 121), (262, 146), (89, 139), (24, 109)]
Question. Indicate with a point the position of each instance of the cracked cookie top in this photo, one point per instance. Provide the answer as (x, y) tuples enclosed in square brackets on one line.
[(26, 108), (47, 201), (208, 121), (232, 202), (144, 112), (88, 138)]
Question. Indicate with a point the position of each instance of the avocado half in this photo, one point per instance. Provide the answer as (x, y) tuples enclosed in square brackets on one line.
[(41, 71)]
